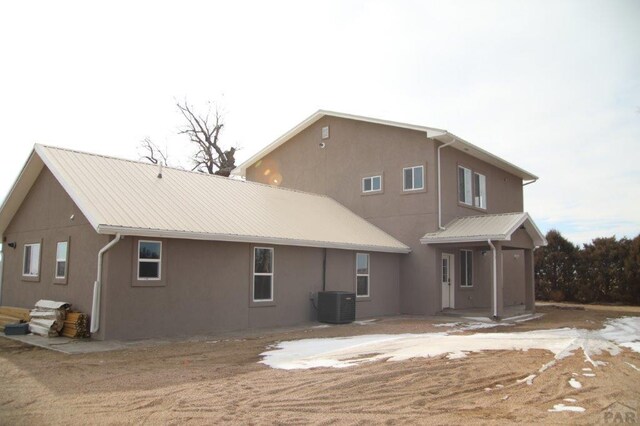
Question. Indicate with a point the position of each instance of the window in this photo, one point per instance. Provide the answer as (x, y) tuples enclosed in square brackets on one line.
[(464, 185), (61, 259), (262, 274), (362, 275), (149, 260), (372, 184), (466, 268), (413, 178), (479, 191), (325, 132), (31, 260)]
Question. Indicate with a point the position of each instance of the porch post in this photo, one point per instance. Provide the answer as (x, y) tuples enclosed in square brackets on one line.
[(529, 287), (497, 291)]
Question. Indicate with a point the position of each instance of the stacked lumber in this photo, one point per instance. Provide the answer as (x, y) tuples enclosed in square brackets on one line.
[(76, 325), (47, 318), (12, 315)]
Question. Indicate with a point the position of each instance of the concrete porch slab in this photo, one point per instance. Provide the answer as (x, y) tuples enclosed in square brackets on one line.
[(67, 345), (509, 312)]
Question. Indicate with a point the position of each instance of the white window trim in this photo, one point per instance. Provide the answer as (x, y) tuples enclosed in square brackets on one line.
[(259, 274), (463, 274), (372, 178), (483, 197), (404, 182), (466, 169), (65, 260), (158, 261), (368, 275), (24, 258)]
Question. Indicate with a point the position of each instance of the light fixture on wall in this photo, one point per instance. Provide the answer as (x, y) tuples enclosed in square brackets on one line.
[(322, 144), (484, 252), (13, 245)]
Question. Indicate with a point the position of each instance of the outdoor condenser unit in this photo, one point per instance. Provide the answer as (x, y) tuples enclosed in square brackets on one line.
[(336, 307)]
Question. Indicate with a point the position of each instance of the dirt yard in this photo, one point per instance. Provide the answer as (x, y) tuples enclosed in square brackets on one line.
[(219, 380)]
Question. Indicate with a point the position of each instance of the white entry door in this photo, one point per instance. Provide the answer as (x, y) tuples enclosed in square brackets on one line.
[(448, 288)]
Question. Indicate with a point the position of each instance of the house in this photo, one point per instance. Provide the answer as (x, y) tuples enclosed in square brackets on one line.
[(160, 252), (458, 207)]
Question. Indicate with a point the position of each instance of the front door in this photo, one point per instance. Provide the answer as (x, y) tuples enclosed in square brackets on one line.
[(448, 289)]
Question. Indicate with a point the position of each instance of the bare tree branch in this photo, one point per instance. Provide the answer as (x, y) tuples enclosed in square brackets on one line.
[(153, 153)]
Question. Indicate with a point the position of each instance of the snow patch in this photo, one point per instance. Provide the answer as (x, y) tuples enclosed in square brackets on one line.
[(569, 400), (588, 375), (575, 384), (632, 366), (528, 380), (561, 407)]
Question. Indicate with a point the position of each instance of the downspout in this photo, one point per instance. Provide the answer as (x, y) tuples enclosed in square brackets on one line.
[(495, 279), (440, 185), (324, 270), (1, 269), (97, 285)]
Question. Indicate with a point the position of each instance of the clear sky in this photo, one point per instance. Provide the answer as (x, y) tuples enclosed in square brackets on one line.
[(552, 86)]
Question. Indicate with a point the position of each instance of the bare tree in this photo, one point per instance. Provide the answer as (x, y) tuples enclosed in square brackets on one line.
[(153, 153), (204, 132)]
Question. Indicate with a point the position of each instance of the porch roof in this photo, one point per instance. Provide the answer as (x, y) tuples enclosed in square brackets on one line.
[(494, 227)]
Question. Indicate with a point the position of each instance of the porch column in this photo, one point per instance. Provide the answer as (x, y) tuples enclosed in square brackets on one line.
[(529, 287), (497, 271)]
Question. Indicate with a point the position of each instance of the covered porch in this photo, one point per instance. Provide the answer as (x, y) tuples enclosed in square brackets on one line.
[(487, 265)]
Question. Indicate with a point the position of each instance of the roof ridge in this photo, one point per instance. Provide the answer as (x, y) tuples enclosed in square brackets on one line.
[(195, 173)]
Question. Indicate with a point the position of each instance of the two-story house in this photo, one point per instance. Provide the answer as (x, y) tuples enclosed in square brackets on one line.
[(458, 207)]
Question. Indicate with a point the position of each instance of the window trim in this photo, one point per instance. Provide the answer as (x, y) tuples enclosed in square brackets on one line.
[(404, 181), (32, 277), (61, 279), (464, 273), (368, 275), (158, 261), (364, 191), (254, 274)]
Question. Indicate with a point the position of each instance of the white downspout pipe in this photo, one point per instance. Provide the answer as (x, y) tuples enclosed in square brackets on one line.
[(97, 286), (440, 185), (495, 279)]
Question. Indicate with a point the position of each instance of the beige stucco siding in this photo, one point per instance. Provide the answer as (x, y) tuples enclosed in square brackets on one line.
[(45, 216)]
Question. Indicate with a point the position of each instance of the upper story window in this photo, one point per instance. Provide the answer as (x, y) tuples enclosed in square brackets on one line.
[(372, 184), (479, 191), (464, 185), (62, 249), (325, 132), (31, 260), (149, 260), (472, 188), (362, 275), (262, 274), (413, 178)]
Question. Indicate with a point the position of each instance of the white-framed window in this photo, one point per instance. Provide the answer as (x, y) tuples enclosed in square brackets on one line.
[(372, 184), (479, 191), (31, 260), (362, 275), (262, 274), (466, 268), (325, 132), (62, 249), (149, 260), (464, 185), (413, 178)]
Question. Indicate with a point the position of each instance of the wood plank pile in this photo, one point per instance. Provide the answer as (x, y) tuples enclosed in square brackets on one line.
[(47, 318), (12, 315), (76, 325)]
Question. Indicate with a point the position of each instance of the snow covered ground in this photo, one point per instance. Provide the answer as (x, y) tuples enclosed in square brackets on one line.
[(341, 352)]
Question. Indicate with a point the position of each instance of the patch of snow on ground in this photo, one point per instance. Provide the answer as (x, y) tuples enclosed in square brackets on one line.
[(586, 369), (569, 400), (588, 375), (575, 384), (632, 366), (343, 352), (561, 407), (365, 322), (448, 324)]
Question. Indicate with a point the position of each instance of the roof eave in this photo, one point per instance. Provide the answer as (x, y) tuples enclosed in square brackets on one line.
[(163, 233), (453, 240)]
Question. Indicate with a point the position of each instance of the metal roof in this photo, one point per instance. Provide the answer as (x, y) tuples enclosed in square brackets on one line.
[(126, 196), (495, 227), (439, 135)]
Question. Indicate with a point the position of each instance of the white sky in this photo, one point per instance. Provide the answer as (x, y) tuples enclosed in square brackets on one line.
[(553, 87)]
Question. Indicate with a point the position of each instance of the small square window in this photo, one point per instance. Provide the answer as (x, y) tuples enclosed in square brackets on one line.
[(325, 132), (372, 184)]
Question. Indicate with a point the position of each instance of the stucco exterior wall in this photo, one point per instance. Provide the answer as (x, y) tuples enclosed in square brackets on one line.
[(206, 287), (357, 149), (45, 217)]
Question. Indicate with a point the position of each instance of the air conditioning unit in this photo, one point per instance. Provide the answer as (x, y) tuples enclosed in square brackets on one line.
[(336, 307)]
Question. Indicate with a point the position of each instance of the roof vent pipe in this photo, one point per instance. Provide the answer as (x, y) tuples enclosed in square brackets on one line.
[(97, 286), (159, 170), (440, 184)]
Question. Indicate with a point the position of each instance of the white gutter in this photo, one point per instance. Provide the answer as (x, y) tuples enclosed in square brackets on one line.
[(530, 182), (440, 185), (97, 286), (495, 279)]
